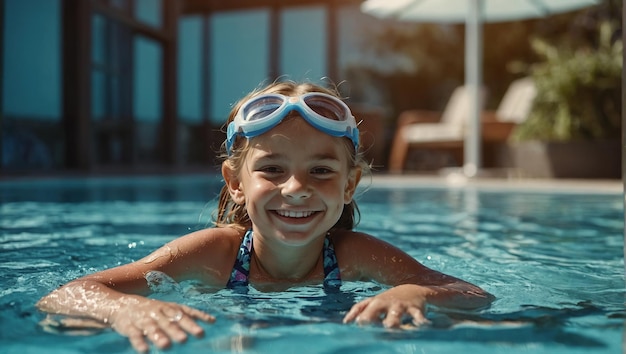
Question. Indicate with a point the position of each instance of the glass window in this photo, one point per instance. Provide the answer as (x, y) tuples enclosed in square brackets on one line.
[(190, 69), (31, 74), (98, 95), (240, 58), (147, 92), (98, 44), (147, 80), (108, 58), (303, 43), (150, 12)]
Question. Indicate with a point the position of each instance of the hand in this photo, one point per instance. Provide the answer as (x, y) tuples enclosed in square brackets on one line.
[(391, 306), (158, 321)]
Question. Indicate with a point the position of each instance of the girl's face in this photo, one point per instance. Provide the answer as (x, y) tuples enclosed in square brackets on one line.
[(294, 182)]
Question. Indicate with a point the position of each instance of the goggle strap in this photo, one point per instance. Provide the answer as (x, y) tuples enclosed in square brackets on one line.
[(231, 135), (306, 111)]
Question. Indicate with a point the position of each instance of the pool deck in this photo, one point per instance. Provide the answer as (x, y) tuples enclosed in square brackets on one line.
[(583, 186), (444, 179)]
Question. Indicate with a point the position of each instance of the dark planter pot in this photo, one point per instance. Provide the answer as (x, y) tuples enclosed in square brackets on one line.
[(572, 159)]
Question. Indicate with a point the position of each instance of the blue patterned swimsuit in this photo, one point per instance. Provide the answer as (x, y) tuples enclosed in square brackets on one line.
[(241, 269)]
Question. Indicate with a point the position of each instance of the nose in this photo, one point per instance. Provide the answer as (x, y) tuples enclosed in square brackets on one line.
[(296, 187)]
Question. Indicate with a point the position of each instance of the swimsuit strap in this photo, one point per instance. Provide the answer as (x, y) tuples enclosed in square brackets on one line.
[(332, 278), (241, 269)]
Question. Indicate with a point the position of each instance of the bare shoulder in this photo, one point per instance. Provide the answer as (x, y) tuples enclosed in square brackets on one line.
[(207, 254), (364, 257), (218, 237), (359, 243)]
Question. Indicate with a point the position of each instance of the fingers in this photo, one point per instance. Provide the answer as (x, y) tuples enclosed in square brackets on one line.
[(184, 319), (419, 319), (393, 318), (189, 325), (137, 340), (163, 325), (390, 315), (175, 322), (356, 310), (174, 331), (203, 316), (150, 330), (158, 336), (365, 312), (162, 332)]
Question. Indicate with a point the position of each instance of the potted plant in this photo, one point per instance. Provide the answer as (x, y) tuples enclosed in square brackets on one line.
[(574, 127)]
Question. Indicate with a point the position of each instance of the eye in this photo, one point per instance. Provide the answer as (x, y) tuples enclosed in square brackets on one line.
[(322, 170), (271, 169)]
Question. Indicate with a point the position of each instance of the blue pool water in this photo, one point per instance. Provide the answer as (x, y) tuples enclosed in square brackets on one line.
[(554, 261)]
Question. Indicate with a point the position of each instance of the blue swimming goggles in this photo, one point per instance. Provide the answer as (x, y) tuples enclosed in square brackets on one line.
[(262, 113)]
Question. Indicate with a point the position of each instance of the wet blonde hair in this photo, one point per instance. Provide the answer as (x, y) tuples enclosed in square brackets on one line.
[(231, 214)]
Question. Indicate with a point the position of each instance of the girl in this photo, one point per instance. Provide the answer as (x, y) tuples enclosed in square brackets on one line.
[(286, 213)]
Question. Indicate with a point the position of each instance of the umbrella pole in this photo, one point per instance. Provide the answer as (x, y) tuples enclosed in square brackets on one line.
[(473, 80)]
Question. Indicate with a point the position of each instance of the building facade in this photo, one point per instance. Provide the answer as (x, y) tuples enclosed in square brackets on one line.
[(92, 85)]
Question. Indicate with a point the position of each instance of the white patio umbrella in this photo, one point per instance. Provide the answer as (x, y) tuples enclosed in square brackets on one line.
[(473, 13)]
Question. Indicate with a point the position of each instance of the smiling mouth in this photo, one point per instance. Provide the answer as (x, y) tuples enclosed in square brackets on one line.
[(294, 214)]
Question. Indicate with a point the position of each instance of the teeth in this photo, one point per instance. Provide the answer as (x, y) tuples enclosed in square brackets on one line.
[(294, 214)]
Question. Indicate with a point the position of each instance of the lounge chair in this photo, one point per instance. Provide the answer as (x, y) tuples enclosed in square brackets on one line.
[(429, 130), (516, 102), (512, 110)]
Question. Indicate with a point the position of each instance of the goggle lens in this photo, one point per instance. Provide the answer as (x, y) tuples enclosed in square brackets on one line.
[(326, 108), (261, 108)]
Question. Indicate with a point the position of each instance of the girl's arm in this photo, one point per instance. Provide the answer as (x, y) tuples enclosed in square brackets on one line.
[(133, 316), (114, 297), (415, 285)]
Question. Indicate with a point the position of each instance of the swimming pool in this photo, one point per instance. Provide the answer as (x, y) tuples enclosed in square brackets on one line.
[(554, 261)]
